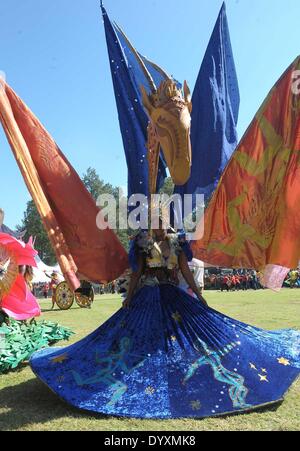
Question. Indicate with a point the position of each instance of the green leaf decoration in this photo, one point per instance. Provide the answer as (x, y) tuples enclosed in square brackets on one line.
[(21, 340)]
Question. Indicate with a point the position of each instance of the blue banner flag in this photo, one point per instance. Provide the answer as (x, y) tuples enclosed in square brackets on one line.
[(215, 112)]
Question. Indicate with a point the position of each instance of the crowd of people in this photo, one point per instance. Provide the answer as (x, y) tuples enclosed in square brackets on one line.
[(232, 280), (41, 290), (244, 280)]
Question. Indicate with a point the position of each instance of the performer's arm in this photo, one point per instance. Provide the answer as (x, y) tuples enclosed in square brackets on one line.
[(135, 277), (188, 276)]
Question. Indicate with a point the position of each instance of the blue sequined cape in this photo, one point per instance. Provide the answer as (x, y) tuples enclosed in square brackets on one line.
[(170, 356)]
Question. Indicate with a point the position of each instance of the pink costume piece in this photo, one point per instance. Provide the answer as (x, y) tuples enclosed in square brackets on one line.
[(17, 301)]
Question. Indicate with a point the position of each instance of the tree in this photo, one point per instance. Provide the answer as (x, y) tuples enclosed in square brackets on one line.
[(96, 187), (33, 225)]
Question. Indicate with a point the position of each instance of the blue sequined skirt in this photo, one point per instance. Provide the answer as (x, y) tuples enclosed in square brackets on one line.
[(169, 356)]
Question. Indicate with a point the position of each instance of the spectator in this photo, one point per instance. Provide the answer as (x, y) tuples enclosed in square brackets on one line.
[(226, 282), (46, 288)]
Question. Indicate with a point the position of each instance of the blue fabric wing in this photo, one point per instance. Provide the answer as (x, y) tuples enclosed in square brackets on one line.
[(215, 112)]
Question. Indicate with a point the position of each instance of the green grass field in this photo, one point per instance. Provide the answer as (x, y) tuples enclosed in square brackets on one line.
[(26, 404)]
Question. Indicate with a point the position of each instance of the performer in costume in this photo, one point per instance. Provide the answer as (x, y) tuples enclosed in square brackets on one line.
[(17, 301), (17, 304), (166, 354), (53, 285), (160, 258)]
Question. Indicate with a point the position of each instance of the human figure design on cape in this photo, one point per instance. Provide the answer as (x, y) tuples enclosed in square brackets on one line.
[(109, 365), (237, 390)]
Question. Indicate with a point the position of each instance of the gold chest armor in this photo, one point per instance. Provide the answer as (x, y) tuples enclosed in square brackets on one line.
[(157, 259)]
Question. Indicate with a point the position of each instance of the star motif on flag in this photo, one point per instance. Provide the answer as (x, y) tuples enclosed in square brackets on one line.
[(196, 405), (283, 361), (60, 359), (263, 378)]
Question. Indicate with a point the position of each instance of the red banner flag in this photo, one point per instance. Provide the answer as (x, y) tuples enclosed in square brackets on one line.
[(253, 219), (67, 209)]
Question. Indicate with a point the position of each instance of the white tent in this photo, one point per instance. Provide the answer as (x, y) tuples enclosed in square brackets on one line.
[(39, 275)]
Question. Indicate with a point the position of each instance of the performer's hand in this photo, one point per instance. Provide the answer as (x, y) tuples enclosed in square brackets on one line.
[(201, 298)]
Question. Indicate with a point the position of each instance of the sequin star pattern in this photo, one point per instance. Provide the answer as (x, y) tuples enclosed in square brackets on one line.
[(263, 378), (150, 391), (283, 361), (253, 367), (173, 338), (176, 317)]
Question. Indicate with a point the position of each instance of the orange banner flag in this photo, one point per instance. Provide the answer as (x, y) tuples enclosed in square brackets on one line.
[(67, 209), (253, 219)]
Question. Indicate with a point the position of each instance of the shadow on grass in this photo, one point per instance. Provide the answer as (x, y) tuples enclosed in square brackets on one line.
[(58, 310), (31, 403)]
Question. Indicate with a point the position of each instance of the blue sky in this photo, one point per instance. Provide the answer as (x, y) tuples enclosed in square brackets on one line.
[(54, 56)]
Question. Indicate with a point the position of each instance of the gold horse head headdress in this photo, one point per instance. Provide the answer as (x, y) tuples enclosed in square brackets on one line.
[(169, 110)]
